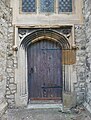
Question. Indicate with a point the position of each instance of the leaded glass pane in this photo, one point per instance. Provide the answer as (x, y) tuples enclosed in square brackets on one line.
[(46, 5), (65, 5), (28, 5)]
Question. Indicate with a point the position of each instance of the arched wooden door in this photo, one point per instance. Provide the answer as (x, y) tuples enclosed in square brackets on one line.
[(44, 70)]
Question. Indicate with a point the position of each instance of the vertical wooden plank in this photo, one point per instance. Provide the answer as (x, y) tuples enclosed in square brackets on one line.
[(45, 67)]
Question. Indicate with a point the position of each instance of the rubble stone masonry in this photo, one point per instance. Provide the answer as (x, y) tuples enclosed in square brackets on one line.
[(87, 21), (6, 55), (8, 87)]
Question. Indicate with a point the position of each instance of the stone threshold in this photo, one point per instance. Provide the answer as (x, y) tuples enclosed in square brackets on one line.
[(41, 106)]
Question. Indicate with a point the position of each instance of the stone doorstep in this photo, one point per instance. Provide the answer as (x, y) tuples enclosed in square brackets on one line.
[(3, 108), (48, 106)]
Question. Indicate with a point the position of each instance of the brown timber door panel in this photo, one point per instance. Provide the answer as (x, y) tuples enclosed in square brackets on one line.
[(44, 70)]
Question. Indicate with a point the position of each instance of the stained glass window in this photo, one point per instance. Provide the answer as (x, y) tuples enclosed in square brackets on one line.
[(65, 5), (28, 5), (46, 5)]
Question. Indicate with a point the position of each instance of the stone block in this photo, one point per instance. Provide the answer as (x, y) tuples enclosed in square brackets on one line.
[(82, 84), (69, 100), (11, 29), (13, 91), (12, 86), (10, 96), (80, 97), (9, 70), (8, 92), (11, 101), (11, 80)]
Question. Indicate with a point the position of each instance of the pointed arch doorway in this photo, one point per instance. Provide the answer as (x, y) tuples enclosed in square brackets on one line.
[(35, 48), (44, 70)]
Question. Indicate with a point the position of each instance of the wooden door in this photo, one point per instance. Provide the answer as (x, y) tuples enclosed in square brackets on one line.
[(44, 70)]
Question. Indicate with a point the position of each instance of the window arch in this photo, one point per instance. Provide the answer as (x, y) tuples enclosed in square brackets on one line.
[(45, 6)]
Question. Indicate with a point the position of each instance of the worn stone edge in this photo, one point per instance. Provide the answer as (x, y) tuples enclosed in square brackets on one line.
[(3, 108), (87, 107)]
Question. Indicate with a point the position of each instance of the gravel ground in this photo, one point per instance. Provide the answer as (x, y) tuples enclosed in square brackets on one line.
[(45, 114)]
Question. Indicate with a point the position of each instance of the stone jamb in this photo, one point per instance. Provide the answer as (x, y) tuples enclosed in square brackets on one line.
[(21, 96)]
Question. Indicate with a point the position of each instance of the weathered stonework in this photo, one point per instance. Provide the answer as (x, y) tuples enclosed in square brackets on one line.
[(87, 19), (6, 56), (9, 58), (4, 20), (79, 87), (11, 86)]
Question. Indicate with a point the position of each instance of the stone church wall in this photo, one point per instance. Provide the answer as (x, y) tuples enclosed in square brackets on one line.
[(83, 65), (87, 19), (8, 62), (79, 87), (6, 53)]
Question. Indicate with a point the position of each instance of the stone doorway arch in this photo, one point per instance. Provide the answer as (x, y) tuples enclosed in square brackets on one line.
[(21, 72)]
